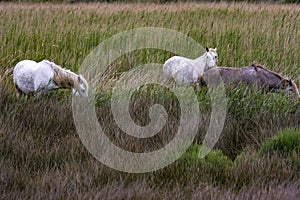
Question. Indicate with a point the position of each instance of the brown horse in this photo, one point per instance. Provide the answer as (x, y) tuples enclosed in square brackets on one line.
[(254, 75)]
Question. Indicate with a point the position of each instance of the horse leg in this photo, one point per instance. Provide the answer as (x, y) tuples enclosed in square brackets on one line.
[(166, 78), (18, 94), (39, 94), (18, 91)]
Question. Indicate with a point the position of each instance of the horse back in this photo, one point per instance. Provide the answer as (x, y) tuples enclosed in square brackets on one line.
[(23, 70), (24, 65)]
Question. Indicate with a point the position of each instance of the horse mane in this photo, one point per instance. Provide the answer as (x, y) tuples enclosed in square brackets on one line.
[(295, 88), (293, 84), (62, 77), (268, 70)]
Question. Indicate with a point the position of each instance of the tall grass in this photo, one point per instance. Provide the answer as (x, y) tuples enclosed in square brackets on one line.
[(41, 155)]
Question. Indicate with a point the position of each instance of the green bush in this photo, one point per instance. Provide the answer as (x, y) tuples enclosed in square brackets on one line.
[(214, 168), (215, 158), (286, 143)]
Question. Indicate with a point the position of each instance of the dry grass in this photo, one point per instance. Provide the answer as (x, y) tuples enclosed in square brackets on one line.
[(113, 8)]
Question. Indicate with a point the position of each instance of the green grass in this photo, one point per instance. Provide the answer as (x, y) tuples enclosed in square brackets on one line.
[(41, 155)]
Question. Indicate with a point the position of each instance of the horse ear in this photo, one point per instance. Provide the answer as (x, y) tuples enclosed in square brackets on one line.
[(207, 49), (215, 49), (79, 79)]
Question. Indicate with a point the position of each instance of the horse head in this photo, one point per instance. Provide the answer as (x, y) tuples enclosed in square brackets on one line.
[(211, 57), (289, 87), (80, 86)]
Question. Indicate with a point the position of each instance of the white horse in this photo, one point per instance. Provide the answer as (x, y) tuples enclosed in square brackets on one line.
[(35, 78), (186, 71)]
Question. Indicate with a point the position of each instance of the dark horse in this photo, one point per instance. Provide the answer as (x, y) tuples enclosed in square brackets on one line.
[(254, 75)]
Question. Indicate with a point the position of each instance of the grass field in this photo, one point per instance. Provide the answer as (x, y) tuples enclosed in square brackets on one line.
[(42, 157)]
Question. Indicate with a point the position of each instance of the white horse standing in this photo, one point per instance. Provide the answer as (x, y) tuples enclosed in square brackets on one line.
[(35, 78), (186, 71)]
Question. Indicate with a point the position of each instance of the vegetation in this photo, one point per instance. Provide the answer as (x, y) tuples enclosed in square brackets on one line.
[(285, 143), (42, 157)]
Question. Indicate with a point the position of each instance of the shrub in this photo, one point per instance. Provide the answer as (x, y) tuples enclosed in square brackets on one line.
[(214, 168), (285, 143)]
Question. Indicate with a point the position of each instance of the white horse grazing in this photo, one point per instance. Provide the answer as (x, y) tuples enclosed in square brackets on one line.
[(186, 71), (35, 78)]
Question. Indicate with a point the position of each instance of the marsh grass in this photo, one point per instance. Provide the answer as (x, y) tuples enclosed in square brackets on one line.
[(41, 155)]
